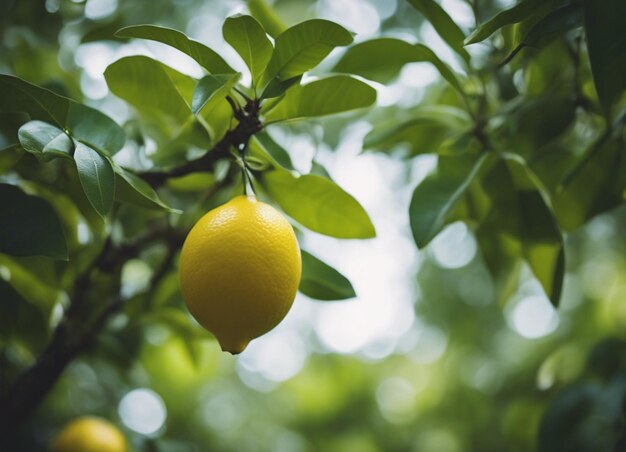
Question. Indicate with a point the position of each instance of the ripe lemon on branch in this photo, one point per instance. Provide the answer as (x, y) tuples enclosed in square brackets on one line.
[(90, 434), (240, 268)]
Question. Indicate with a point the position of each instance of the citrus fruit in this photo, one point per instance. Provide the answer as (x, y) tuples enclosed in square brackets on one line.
[(240, 268), (90, 434)]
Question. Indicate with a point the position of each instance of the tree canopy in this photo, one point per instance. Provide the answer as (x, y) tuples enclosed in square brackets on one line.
[(473, 153)]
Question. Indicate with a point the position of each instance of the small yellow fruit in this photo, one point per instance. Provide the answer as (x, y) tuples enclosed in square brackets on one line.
[(90, 434), (240, 269)]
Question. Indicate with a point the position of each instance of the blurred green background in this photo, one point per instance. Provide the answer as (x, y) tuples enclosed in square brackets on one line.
[(424, 358)]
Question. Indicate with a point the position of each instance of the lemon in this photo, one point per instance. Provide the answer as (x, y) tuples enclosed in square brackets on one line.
[(240, 269), (90, 434)]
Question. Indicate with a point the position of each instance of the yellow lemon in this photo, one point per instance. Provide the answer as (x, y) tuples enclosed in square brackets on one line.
[(90, 434), (240, 269)]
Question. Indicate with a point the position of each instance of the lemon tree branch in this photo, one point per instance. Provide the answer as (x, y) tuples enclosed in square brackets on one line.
[(78, 329), (248, 124)]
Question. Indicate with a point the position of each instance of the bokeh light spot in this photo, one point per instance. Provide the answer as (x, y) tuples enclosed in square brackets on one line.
[(455, 247), (534, 317), (143, 411)]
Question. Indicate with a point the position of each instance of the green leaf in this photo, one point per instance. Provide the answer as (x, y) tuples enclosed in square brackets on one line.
[(211, 91), (45, 140), (426, 54), (537, 122), (303, 46), (319, 204), (23, 323), (428, 128), (378, 59), (131, 189), (29, 226), (518, 13), (502, 254), (96, 176), (150, 85), (520, 211), (276, 87), (445, 26), (558, 21), (334, 94), (594, 185), (606, 39), (263, 143), (203, 55), (264, 13), (322, 282), (29, 284), (381, 59), (192, 182), (248, 38), (436, 197), (81, 122)]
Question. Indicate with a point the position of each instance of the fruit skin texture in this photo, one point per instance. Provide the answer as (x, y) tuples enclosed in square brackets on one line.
[(240, 268), (90, 434)]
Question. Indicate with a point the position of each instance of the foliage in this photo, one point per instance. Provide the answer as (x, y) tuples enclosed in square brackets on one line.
[(525, 129)]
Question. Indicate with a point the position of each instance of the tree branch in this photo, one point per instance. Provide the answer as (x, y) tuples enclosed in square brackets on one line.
[(249, 124), (81, 324), (76, 333)]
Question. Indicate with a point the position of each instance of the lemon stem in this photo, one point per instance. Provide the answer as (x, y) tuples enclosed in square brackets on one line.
[(245, 170)]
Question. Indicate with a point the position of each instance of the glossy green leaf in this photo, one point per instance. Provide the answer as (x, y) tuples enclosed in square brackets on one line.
[(211, 91), (81, 122), (322, 282), (303, 46), (276, 87), (132, 189), (378, 59), (319, 204), (203, 55), (264, 13), (606, 39), (248, 38), (520, 212), (436, 197), (274, 152), (558, 21), (29, 226), (517, 13), (45, 140), (96, 176), (323, 97), (443, 24), (153, 87)]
